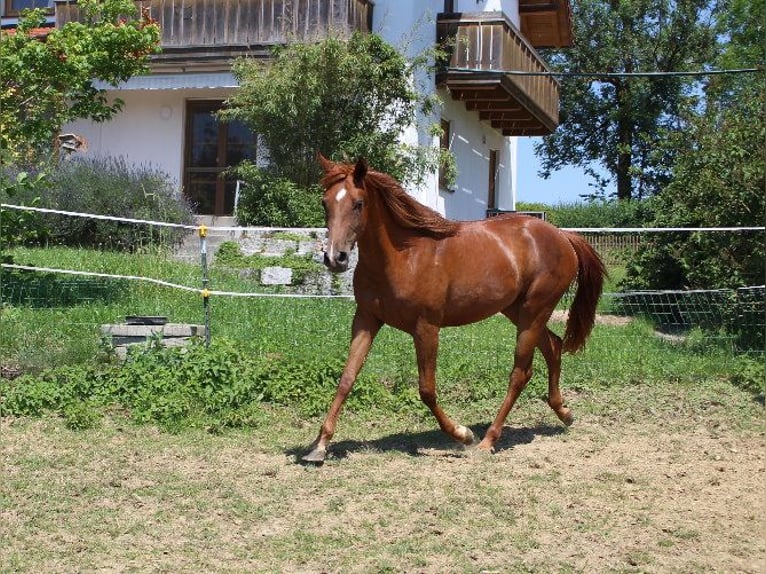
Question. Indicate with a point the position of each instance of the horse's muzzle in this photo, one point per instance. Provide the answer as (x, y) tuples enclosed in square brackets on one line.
[(337, 264)]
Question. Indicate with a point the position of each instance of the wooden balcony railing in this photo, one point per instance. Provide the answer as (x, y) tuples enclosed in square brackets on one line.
[(206, 33), (482, 47)]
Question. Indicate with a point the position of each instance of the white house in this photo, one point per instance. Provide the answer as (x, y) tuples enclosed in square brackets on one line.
[(167, 120)]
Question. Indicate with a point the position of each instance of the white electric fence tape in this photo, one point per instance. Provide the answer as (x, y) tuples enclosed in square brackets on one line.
[(207, 292)]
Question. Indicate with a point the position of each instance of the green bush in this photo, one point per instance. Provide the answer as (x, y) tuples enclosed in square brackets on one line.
[(111, 186), (271, 201), (223, 385), (595, 214), (19, 227)]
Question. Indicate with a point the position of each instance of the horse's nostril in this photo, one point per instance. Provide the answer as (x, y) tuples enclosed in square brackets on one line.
[(342, 257), (326, 259)]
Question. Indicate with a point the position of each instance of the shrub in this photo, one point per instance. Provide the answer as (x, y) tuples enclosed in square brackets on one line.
[(111, 186), (222, 385), (19, 227), (595, 214), (273, 201)]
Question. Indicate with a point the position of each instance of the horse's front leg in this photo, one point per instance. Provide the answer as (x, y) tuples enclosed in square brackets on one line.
[(364, 329), (426, 339)]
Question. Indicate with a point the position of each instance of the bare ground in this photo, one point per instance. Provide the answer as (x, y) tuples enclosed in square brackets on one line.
[(675, 485)]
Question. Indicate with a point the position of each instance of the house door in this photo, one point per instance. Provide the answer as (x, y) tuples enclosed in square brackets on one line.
[(213, 146)]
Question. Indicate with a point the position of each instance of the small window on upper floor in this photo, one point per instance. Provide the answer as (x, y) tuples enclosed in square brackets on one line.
[(16, 7)]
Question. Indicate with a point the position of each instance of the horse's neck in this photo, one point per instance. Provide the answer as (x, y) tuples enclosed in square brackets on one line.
[(383, 239)]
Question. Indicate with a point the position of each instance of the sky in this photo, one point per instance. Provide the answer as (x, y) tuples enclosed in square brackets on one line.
[(564, 186)]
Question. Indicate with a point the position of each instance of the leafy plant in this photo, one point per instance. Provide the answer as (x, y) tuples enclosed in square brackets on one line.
[(345, 98), (273, 201), (111, 186), (45, 83), (19, 227), (611, 125), (595, 213)]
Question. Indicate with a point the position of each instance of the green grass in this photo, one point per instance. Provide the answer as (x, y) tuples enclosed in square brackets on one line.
[(282, 351)]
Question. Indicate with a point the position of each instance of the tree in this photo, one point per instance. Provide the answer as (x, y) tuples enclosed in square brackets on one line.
[(719, 176), (345, 98), (612, 125), (47, 80)]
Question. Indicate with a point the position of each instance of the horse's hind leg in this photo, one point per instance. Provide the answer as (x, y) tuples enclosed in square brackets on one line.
[(550, 347), (526, 341)]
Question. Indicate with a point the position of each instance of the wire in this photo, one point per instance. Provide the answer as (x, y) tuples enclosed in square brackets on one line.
[(118, 219), (608, 74), (656, 229), (93, 216), (203, 292)]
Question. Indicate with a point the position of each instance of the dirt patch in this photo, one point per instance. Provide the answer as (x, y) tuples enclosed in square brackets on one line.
[(561, 316), (675, 485)]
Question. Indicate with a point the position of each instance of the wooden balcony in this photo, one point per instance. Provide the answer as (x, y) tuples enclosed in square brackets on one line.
[(484, 45), (205, 35)]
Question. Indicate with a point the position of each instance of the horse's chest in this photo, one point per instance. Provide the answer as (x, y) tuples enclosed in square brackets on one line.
[(398, 302)]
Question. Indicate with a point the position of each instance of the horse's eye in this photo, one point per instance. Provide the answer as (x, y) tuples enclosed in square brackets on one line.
[(358, 204)]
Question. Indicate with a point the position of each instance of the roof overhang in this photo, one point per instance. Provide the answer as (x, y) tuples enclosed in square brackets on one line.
[(175, 82)]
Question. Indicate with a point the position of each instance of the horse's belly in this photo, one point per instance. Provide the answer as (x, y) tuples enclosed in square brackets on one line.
[(469, 307)]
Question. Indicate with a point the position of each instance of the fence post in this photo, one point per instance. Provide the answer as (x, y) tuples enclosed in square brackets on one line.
[(205, 292)]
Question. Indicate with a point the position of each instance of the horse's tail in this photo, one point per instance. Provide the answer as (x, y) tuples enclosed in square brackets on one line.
[(590, 282)]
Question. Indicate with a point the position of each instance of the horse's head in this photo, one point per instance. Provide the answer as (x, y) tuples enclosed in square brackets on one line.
[(344, 203)]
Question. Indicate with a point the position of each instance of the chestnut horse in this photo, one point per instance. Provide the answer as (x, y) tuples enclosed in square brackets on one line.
[(419, 272)]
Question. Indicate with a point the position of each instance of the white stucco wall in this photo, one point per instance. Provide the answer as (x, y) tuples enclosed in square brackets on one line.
[(150, 129), (510, 7), (411, 27), (471, 142)]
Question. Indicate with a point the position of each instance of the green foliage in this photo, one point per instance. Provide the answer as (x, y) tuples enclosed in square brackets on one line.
[(18, 227), (110, 186), (288, 353), (230, 254), (44, 84), (345, 98), (611, 126), (274, 201), (223, 385), (595, 213), (750, 376), (719, 181)]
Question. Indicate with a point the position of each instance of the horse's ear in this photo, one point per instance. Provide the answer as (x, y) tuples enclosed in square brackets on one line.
[(360, 170), (325, 163)]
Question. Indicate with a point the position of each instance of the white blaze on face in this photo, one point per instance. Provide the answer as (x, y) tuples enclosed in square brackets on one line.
[(338, 198)]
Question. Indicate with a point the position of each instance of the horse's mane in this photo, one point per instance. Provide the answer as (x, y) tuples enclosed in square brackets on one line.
[(403, 208)]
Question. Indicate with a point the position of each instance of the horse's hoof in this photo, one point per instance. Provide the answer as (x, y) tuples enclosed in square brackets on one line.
[(315, 457), (566, 416), (485, 448), (464, 435)]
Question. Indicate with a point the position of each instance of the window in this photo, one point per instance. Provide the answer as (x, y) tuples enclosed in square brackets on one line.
[(212, 147), (444, 141), (15, 7), (492, 183)]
